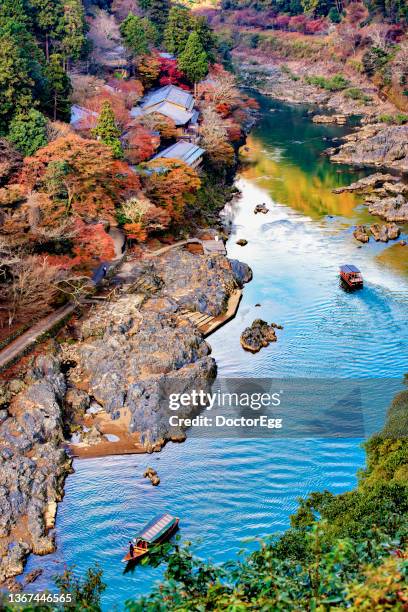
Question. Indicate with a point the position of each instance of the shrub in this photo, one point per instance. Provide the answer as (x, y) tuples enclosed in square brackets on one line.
[(399, 119), (356, 94), (334, 83)]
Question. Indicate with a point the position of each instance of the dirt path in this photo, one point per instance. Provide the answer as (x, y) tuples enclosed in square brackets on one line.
[(23, 342)]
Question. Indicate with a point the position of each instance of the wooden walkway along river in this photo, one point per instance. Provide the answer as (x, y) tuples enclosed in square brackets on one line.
[(208, 324)]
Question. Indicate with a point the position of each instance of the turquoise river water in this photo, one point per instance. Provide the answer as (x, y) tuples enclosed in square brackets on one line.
[(227, 490)]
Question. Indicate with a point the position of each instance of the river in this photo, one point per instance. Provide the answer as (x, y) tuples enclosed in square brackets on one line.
[(228, 490)]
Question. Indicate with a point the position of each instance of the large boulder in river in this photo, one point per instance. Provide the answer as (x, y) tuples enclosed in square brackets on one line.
[(241, 271), (386, 232), (391, 209), (368, 183), (258, 335), (360, 233)]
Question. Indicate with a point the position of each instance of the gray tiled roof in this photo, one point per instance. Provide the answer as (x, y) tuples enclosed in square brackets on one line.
[(185, 151), (169, 93), (179, 115)]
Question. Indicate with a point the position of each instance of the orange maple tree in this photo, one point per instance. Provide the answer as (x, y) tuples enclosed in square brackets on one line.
[(80, 176), (171, 184)]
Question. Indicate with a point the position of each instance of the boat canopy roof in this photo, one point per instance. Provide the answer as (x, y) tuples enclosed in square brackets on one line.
[(349, 268), (156, 528)]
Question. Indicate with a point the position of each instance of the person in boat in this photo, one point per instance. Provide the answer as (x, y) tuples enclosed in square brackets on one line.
[(131, 549)]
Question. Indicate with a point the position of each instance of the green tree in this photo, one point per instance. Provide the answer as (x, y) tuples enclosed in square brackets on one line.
[(152, 35), (194, 61), (158, 12), (48, 15), (178, 29), (86, 592), (134, 35), (13, 13), (206, 35), (59, 88), (107, 131), (28, 132), (16, 80), (72, 31)]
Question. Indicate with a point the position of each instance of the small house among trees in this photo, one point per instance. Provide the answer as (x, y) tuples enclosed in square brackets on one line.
[(187, 152), (174, 103)]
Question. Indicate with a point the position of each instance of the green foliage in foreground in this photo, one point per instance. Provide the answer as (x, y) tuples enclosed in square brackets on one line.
[(28, 132), (334, 83), (85, 594), (342, 552)]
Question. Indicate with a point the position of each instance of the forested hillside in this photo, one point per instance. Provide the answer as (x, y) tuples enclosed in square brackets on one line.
[(77, 160)]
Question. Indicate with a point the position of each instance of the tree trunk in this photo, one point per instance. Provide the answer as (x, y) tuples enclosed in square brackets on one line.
[(47, 50), (55, 106)]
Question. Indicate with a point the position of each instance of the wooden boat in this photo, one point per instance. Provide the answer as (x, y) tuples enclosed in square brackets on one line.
[(157, 531), (351, 276)]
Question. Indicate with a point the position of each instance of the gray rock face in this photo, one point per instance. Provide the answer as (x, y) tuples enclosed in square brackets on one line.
[(136, 351), (376, 145), (32, 466), (391, 209), (385, 194), (241, 271)]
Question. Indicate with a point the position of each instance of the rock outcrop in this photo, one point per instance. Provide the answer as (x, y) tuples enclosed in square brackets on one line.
[(376, 145), (385, 194), (137, 350), (258, 335), (368, 183), (33, 466), (385, 232), (339, 119), (361, 234)]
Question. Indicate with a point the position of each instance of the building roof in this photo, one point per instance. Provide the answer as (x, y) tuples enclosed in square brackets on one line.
[(171, 101), (185, 151), (81, 114), (169, 93), (177, 114), (349, 268)]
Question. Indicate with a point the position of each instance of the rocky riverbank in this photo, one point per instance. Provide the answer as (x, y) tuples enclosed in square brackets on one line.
[(133, 352), (376, 145), (287, 81), (33, 461)]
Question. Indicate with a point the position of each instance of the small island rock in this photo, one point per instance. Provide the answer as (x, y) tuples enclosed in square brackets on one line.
[(258, 335)]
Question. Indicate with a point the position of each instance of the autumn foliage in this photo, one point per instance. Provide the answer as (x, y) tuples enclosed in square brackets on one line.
[(140, 143), (171, 75), (170, 183)]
